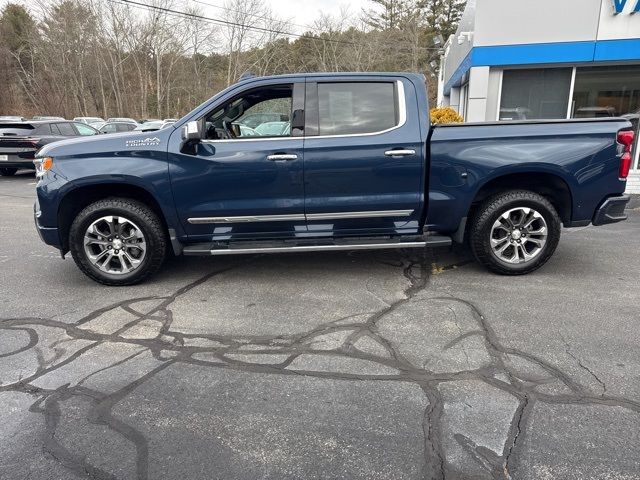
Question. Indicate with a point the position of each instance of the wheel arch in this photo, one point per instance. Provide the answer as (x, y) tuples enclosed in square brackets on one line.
[(74, 201), (550, 185)]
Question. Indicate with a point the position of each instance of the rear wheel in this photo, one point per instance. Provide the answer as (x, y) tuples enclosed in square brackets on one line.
[(515, 232), (117, 241), (7, 172)]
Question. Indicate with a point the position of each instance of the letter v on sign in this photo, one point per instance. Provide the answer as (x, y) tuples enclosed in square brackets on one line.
[(619, 5)]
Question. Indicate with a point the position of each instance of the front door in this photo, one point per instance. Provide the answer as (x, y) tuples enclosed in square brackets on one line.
[(245, 179), (364, 160)]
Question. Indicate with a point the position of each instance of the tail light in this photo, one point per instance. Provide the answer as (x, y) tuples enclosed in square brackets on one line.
[(625, 138)]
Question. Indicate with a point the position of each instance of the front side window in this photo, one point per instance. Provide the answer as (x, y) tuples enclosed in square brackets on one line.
[(535, 94), (262, 112), (356, 108)]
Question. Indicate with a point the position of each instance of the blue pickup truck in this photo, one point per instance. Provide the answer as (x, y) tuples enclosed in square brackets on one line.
[(335, 162)]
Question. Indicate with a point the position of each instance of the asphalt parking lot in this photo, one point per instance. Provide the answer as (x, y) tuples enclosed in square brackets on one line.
[(372, 365)]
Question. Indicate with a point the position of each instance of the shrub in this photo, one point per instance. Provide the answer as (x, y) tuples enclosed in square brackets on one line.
[(445, 115)]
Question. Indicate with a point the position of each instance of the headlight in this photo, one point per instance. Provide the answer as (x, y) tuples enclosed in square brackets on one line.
[(42, 165)]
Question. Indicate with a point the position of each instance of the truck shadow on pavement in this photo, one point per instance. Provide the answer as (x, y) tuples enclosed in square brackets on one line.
[(442, 345)]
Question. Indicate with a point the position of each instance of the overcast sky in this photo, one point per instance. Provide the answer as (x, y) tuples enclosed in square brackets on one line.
[(302, 12)]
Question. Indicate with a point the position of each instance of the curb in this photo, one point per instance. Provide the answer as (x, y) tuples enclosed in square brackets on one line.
[(634, 203)]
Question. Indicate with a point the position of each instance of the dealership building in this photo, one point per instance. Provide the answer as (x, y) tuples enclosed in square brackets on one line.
[(545, 59)]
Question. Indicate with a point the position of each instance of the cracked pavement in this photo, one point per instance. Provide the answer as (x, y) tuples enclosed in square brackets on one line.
[(386, 365)]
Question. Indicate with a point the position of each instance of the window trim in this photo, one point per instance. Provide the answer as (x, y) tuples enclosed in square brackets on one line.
[(297, 98), (401, 105)]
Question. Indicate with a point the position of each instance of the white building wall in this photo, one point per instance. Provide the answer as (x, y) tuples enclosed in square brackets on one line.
[(477, 94), (515, 22)]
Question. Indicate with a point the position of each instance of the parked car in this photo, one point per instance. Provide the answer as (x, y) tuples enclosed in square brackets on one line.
[(172, 120), (362, 168), (517, 113), (121, 119), (255, 119), (11, 118), (19, 141), (595, 112), (114, 127), (149, 126), (46, 117), (97, 125), (88, 120)]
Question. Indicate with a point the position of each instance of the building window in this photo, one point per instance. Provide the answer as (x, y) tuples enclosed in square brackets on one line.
[(541, 93), (606, 91)]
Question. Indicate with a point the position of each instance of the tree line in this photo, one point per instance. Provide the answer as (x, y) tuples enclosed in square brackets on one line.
[(161, 58)]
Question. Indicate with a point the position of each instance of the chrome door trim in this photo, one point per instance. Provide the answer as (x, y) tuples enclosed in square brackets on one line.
[(402, 119), (301, 217), (363, 214), (249, 219)]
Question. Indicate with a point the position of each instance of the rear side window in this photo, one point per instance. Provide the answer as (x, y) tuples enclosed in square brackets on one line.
[(356, 108), (66, 129)]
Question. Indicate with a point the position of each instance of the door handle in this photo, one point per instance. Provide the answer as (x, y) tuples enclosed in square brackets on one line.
[(276, 157), (399, 153)]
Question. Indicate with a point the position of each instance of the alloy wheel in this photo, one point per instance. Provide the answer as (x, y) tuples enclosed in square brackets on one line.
[(115, 245), (518, 235)]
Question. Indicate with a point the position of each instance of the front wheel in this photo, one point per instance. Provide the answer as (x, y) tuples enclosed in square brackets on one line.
[(117, 241), (7, 171), (515, 232)]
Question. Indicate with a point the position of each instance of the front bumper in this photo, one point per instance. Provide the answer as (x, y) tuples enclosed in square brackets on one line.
[(48, 235), (611, 210)]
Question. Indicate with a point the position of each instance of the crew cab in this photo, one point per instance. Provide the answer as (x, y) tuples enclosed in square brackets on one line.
[(357, 165)]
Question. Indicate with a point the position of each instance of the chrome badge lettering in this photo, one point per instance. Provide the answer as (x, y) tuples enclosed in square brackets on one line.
[(143, 142)]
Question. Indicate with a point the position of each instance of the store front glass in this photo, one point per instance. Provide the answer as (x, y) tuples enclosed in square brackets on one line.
[(606, 91), (612, 91), (535, 93)]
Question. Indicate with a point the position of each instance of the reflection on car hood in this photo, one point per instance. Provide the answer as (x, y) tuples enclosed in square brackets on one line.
[(113, 142)]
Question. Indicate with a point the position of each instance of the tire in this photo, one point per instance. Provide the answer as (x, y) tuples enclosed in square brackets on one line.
[(130, 218), (8, 171), (499, 232)]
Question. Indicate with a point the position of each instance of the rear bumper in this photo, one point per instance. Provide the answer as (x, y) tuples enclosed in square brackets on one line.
[(48, 235), (611, 210), (16, 162)]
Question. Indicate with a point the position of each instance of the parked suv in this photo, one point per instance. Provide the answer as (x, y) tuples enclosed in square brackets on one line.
[(19, 141)]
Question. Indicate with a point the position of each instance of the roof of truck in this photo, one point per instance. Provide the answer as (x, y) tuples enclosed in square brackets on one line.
[(249, 78)]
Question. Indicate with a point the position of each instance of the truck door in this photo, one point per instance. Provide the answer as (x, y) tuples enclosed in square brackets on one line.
[(245, 179), (364, 157)]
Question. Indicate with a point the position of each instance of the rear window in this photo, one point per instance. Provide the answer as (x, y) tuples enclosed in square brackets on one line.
[(356, 108), (16, 129)]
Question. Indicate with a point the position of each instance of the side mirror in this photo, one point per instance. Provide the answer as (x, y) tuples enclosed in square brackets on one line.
[(191, 131)]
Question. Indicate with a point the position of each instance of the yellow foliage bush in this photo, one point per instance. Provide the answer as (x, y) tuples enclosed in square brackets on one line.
[(445, 115)]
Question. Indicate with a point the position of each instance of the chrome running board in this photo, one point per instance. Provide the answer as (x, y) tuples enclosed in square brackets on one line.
[(244, 248)]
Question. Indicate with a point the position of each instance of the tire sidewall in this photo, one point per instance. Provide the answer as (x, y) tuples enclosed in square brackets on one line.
[(553, 234), (76, 243)]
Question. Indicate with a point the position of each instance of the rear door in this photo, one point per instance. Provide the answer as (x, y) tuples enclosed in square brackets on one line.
[(364, 157)]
